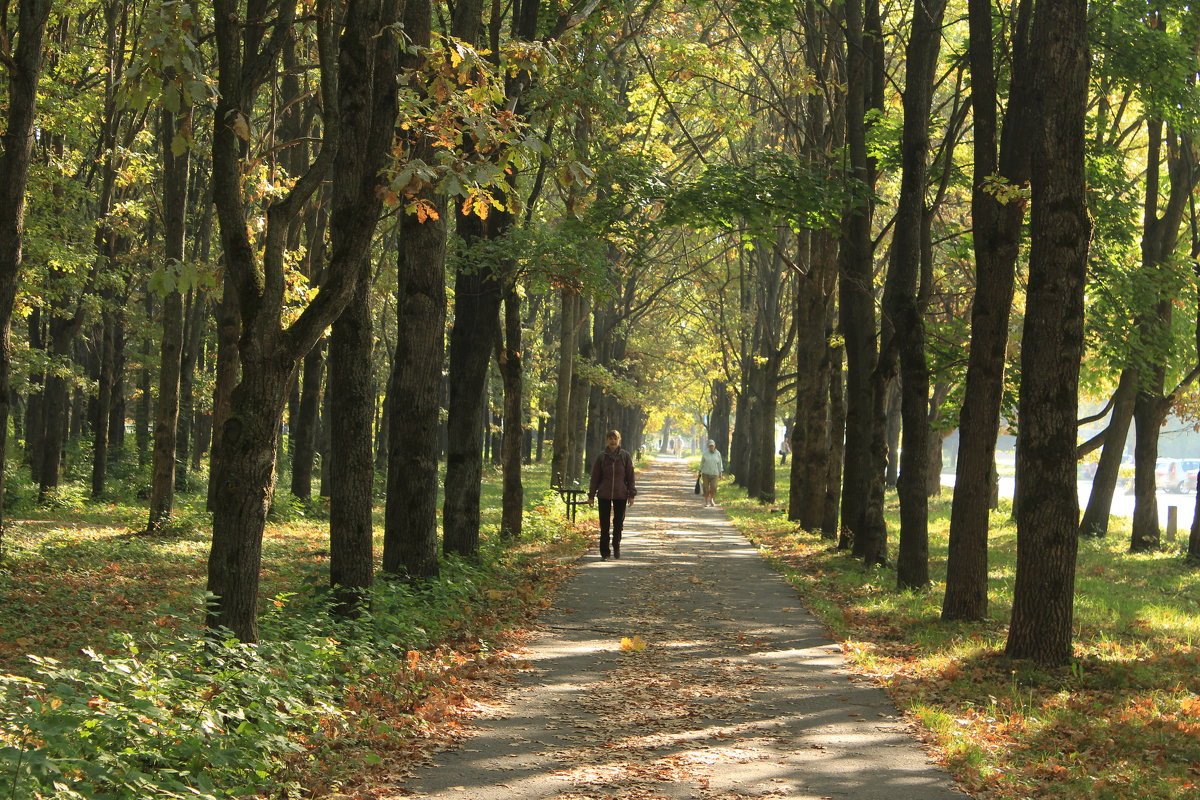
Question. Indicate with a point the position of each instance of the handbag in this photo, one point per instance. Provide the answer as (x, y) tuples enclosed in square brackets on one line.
[(697, 489)]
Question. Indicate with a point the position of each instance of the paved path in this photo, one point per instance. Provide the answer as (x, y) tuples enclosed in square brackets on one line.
[(737, 694)]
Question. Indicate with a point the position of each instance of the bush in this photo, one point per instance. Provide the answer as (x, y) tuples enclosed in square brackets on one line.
[(205, 716)]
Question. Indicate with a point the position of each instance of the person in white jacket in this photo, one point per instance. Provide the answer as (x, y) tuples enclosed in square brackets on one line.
[(712, 467)]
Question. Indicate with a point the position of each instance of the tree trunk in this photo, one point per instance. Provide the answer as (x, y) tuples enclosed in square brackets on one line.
[(997, 244), (567, 348), (57, 398), (718, 420), (194, 330), (857, 303), (1108, 470), (16, 142), (765, 446), (141, 421), (937, 438), (166, 423), (810, 443), (104, 394), (244, 478), (351, 461), (476, 317), (891, 475), (304, 426), (35, 414), (1048, 502), (513, 500), (837, 438), (476, 309), (116, 418), (365, 106), (1159, 238), (579, 405), (410, 517), (737, 458), (903, 311), (229, 325), (1148, 415)]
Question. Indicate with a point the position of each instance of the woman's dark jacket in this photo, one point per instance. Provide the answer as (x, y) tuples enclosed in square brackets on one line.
[(612, 476)]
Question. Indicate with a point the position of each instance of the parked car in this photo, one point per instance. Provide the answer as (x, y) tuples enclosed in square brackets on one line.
[(1189, 467), (1168, 474), (1177, 475)]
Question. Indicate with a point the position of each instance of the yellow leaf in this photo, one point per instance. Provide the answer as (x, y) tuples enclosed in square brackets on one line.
[(636, 644), (240, 125)]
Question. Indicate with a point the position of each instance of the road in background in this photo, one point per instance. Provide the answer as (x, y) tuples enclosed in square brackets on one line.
[(1122, 505)]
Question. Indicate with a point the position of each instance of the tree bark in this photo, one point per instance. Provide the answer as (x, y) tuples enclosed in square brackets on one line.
[(305, 424), (567, 349), (364, 105), (510, 362), (116, 418), (229, 325), (857, 306), (837, 430), (351, 461), (166, 422), (997, 244), (104, 394), (410, 522), (56, 402), (812, 448), (193, 341), (1108, 470), (903, 312), (17, 143), (35, 417), (1160, 235), (580, 390), (1048, 502), (718, 420)]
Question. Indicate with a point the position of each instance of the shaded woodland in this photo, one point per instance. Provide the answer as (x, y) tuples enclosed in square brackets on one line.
[(341, 255)]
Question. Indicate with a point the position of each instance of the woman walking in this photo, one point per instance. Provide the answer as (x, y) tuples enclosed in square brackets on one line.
[(612, 482), (711, 470)]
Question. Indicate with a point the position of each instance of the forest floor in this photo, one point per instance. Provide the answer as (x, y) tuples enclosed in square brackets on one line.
[(686, 669)]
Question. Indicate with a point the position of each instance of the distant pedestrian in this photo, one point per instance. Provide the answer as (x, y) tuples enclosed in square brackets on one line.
[(712, 467), (613, 483), (785, 447)]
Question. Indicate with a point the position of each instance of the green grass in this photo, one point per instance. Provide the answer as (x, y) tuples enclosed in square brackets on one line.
[(109, 687), (1122, 722)]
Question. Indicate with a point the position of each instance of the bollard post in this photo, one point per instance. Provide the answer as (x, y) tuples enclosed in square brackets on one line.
[(1172, 525)]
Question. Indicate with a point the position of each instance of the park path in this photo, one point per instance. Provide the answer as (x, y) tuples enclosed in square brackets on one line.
[(738, 692)]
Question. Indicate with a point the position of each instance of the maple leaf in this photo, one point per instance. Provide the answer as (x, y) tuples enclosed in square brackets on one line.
[(636, 644)]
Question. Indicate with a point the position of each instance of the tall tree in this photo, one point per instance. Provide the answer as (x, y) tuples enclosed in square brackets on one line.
[(174, 129), (1060, 229), (359, 96), (23, 63), (903, 324), (863, 530), (351, 464), (477, 294), (415, 385), (997, 213)]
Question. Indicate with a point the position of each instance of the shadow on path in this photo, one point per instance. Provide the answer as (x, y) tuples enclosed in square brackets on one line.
[(737, 694)]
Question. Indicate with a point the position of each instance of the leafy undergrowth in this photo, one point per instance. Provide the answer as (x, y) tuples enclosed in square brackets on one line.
[(1123, 721), (109, 689)]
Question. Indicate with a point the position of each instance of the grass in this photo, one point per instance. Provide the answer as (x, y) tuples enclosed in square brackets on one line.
[(1123, 721), (109, 688)]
